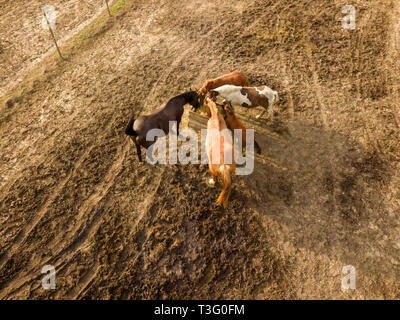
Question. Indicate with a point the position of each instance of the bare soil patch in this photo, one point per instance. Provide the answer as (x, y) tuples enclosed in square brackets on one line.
[(324, 194)]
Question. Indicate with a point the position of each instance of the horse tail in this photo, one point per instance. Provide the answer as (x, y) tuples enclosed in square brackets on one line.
[(129, 129), (226, 190)]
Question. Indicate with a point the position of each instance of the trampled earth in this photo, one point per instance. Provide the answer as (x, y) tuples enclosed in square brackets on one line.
[(325, 192)]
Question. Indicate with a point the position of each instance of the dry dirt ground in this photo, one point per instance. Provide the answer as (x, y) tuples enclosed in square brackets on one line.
[(23, 40), (324, 194)]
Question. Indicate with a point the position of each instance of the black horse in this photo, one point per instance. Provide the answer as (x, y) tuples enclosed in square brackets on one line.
[(171, 110)]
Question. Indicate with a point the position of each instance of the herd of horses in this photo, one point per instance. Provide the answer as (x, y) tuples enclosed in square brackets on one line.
[(232, 89)]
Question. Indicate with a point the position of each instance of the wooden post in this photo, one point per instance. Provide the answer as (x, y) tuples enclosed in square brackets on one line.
[(52, 34), (108, 8)]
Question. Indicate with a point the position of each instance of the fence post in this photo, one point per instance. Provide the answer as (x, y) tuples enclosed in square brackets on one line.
[(52, 34), (108, 8)]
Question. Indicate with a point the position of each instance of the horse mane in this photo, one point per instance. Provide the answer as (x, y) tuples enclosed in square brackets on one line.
[(188, 96)]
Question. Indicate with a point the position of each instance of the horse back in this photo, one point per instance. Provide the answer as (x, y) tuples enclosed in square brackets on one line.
[(174, 109), (234, 78)]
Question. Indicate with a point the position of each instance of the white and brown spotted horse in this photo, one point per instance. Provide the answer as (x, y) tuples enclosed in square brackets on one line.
[(235, 78), (247, 97)]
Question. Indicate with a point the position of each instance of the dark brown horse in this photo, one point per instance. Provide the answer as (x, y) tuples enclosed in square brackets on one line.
[(171, 110)]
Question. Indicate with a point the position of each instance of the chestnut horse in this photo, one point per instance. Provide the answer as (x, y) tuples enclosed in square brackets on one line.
[(218, 146), (171, 110), (234, 123), (235, 78)]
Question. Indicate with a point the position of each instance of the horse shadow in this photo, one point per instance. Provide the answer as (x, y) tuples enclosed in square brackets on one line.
[(329, 194)]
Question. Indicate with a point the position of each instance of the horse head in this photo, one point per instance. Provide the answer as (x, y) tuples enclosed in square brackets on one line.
[(202, 94), (194, 99), (212, 95)]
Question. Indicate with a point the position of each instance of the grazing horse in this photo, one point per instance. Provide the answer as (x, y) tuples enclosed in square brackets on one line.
[(218, 145), (234, 123), (171, 110), (248, 97), (235, 78)]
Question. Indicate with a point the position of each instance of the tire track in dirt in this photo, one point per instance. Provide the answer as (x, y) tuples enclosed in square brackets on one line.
[(287, 81), (320, 99), (369, 134), (116, 234), (100, 191), (358, 102), (78, 238), (153, 92), (85, 282), (27, 229), (146, 209), (317, 87), (36, 158)]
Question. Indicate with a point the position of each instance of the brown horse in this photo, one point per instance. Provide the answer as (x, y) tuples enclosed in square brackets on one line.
[(234, 123), (171, 110), (235, 78), (218, 146)]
